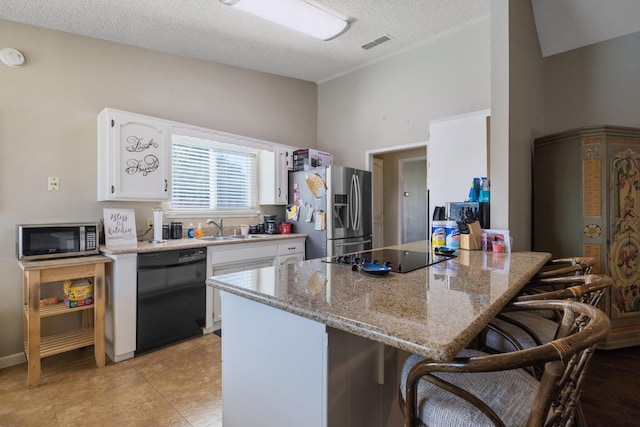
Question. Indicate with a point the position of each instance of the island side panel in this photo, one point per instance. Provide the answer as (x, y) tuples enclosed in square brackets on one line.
[(274, 366)]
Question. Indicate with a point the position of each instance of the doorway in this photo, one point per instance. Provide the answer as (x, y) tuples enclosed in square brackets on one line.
[(413, 200), (387, 190)]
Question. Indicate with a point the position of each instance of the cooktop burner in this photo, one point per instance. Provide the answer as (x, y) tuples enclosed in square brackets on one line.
[(398, 260)]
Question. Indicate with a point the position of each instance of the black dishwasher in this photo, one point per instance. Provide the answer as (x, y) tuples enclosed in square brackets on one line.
[(171, 300)]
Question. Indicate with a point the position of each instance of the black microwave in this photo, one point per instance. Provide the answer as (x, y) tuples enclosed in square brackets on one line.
[(45, 241)]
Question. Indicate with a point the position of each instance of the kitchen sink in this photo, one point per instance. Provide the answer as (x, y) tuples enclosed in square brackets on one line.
[(218, 238), (250, 236)]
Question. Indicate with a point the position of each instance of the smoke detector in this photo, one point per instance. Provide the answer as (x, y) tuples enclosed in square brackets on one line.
[(12, 57)]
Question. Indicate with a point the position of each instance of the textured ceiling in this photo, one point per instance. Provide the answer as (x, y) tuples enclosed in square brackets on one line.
[(209, 30)]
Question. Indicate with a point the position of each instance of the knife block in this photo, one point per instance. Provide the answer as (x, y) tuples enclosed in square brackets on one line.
[(473, 240)]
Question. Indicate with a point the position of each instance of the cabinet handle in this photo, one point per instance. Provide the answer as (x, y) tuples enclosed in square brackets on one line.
[(279, 191), (113, 189), (165, 185)]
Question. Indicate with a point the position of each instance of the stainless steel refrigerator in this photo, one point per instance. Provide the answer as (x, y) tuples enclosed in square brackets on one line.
[(333, 207)]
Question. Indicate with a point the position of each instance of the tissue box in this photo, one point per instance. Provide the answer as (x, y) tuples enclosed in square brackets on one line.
[(306, 159), (77, 293)]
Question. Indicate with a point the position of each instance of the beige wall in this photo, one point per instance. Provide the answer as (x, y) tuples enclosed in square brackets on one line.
[(499, 148), (593, 85), (391, 102), (48, 114), (525, 117), (516, 116)]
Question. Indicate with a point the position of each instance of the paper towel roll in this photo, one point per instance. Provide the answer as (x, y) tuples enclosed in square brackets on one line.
[(157, 224)]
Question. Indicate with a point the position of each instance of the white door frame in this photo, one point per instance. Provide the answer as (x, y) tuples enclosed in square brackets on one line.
[(370, 153)]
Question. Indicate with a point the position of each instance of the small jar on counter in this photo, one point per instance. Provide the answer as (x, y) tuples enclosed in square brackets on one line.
[(176, 230)]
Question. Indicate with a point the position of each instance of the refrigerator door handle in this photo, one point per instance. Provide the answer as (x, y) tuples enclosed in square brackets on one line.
[(339, 245), (358, 207), (352, 202)]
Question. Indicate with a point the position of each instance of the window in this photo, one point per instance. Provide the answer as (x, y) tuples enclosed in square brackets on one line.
[(212, 178)]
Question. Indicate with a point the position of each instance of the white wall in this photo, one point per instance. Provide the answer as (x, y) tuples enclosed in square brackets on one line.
[(391, 102), (457, 153), (48, 112)]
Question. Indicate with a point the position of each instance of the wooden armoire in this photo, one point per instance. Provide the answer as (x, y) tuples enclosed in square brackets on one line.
[(586, 202)]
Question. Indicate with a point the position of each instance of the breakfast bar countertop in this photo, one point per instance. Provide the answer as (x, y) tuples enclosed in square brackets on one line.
[(434, 311)]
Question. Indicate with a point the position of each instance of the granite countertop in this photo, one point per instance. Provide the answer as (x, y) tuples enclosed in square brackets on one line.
[(172, 244), (434, 311)]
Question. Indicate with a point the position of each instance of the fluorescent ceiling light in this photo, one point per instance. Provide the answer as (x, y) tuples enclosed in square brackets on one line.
[(295, 14)]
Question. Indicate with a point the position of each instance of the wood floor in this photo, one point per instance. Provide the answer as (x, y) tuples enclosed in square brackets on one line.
[(611, 395), (181, 386)]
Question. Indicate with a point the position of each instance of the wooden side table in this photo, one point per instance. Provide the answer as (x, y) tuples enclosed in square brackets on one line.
[(36, 273)]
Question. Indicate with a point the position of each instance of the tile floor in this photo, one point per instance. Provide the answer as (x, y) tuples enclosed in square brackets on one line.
[(179, 385)]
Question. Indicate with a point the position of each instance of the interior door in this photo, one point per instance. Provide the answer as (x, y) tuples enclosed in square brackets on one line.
[(413, 181)]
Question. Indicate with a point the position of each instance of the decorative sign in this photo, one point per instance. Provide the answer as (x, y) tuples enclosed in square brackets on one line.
[(149, 163), (119, 227)]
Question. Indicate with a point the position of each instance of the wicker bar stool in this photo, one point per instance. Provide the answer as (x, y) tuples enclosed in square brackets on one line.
[(495, 390), (520, 330), (573, 266)]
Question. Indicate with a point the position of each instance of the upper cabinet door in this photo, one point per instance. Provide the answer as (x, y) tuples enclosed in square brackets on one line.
[(274, 175), (134, 155)]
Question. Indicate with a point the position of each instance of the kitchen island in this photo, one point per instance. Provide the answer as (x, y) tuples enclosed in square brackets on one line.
[(310, 343)]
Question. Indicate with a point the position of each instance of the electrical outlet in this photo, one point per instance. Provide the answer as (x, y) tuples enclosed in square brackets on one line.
[(53, 183), (149, 222)]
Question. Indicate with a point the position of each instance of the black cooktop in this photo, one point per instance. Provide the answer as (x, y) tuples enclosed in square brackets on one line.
[(398, 260)]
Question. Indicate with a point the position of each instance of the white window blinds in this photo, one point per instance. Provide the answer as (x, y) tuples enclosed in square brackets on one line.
[(213, 177)]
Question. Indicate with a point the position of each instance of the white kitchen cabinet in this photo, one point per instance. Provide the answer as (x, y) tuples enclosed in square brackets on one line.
[(225, 259), (291, 252), (134, 157), (274, 175)]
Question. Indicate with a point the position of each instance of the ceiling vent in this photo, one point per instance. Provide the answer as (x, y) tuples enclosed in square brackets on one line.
[(376, 42)]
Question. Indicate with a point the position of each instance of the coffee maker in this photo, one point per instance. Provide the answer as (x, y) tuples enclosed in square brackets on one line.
[(270, 225)]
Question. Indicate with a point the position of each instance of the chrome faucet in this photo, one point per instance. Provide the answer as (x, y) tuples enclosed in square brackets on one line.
[(218, 225)]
